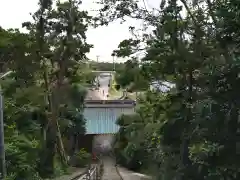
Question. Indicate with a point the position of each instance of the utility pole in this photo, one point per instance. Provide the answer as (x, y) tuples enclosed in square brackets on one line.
[(97, 58), (113, 64), (97, 74), (2, 149)]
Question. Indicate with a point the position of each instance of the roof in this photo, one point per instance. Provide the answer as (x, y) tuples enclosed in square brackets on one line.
[(110, 104), (126, 101)]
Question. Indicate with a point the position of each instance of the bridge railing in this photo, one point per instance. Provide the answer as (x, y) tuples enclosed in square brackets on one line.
[(110, 101)]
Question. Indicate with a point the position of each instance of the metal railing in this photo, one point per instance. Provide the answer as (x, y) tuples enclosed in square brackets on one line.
[(93, 171), (117, 101)]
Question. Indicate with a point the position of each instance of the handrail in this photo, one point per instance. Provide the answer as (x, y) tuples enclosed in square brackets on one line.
[(124, 95), (92, 173), (117, 101)]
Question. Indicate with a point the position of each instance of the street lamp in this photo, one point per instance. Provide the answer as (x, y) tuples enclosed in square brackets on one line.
[(2, 150)]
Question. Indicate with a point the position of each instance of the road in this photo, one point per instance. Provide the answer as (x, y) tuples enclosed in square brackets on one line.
[(102, 92), (104, 79), (110, 172)]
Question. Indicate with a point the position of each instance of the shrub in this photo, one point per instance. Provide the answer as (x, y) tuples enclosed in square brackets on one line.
[(117, 87), (81, 158)]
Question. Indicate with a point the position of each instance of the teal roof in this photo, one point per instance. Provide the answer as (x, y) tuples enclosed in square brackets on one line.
[(102, 120)]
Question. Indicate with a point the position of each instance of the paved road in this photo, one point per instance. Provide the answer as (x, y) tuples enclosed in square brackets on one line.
[(102, 93), (110, 172), (104, 80)]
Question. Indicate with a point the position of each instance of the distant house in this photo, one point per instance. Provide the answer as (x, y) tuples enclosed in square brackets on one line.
[(162, 86)]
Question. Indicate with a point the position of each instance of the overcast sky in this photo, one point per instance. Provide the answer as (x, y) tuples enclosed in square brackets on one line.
[(104, 39)]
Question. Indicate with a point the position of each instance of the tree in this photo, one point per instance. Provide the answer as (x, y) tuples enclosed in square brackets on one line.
[(198, 118), (131, 78), (43, 98), (61, 43), (104, 66)]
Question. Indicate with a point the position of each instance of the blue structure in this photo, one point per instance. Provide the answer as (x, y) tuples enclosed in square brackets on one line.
[(101, 115)]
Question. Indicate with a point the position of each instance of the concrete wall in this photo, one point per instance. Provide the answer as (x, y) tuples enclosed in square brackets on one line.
[(102, 143), (97, 143)]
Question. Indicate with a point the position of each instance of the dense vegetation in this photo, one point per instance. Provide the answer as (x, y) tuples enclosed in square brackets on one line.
[(105, 66), (191, 131), (44, 94), (131, 77)]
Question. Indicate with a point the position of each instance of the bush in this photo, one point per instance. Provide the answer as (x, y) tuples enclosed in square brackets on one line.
[(117, 87), (81, 158)]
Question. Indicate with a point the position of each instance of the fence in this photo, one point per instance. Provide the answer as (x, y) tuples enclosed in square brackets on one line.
[(94, 171)]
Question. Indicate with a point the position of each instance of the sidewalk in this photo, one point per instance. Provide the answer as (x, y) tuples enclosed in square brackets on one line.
[(109, 170)]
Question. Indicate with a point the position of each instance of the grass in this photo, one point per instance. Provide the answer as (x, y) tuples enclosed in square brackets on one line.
[(132, 96), (113, 93)]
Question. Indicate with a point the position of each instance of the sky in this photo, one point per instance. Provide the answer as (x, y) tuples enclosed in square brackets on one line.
[(105, 39)]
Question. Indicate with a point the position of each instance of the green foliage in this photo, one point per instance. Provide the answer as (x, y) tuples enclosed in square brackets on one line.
[(117, 87), (129, 153), (131, 78), (105, 66), (43, 97), (20, 154), (81, 158), (191, 131)]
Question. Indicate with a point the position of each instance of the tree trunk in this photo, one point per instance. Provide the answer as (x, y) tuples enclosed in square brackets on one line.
[(185, 141), (54, 118), (47, 155), (74, 144)]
